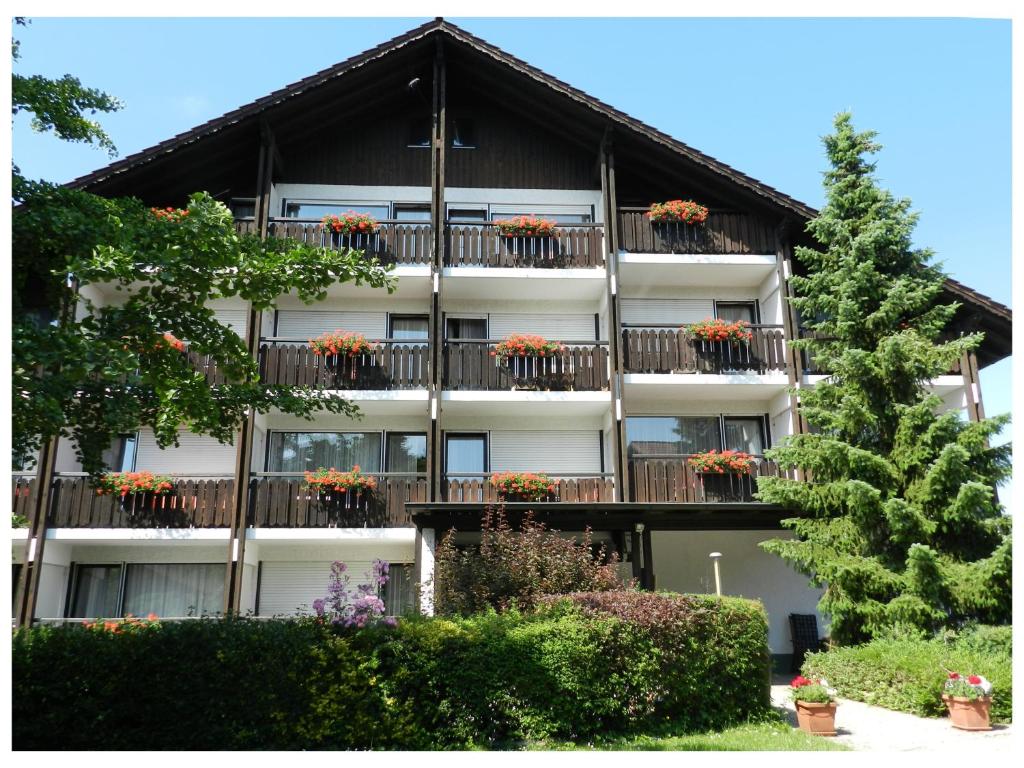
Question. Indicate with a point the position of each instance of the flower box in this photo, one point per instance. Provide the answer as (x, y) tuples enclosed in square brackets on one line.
[(678, 211), (130, 483), (350, 223), (343, 343), (523, 486), (969, 701), (525, 226), (526, 345), (716, 329), (332, 480), (722, 462)]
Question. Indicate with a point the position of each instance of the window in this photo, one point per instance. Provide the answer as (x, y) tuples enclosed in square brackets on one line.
[(420, 131), (170, 590), (317, 209), (125, 448), (672, 436), (465, 456), (731, 311), (463, 133), (409, 327), (559, 217), (406, 452), (467, 215), (456, 328), (301, 451), (243, 208), (399, 596), (745, 434), (412, 212)]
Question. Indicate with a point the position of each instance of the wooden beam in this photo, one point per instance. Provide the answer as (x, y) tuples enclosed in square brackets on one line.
[(790, 325), (438, 151), (649, 581), (35, 544)]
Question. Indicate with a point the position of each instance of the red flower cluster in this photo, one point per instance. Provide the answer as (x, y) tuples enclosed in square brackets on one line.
[(736, 462), (173, 215), (124, 483), (686, 211), (800, 681), (351, 223), (522, 344), (331, 479), (716, 329), (119, 627), (525, 226), (340, 343), (174, 342), (531, 486)]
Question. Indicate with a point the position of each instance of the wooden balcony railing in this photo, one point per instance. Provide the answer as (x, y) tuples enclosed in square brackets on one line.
[(672, 479), (282, 502), (581, 367), (482, 245), (668, 350), (23, 489), (477, 489), (393, 364), (192, 503), (722, 233), (395, 242)]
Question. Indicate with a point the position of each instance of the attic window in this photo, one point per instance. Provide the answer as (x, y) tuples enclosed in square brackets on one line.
[(419, 132), (463, 133)]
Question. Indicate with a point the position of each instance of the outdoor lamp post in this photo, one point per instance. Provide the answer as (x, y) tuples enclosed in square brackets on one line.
[(718, 576)]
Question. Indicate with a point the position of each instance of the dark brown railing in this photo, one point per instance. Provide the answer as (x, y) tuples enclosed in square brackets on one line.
[(581, 367), (672, 479), (23, 489), (722, 233), (391, 365), (395, 242), (282, 502), (192, 503), (482, 245), (664, 350), (477, 489)]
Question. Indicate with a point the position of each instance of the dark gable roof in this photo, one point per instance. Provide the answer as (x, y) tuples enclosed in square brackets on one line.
[(441, 27)]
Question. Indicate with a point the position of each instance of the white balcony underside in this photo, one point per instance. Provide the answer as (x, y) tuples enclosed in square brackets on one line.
[(526, 404), (747, 271), (140, 536), (710, 386), (503, 283)]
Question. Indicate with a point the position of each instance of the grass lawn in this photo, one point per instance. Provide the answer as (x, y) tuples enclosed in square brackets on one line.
[(750, 737)]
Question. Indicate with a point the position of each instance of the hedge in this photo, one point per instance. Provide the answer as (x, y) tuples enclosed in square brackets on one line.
[(587, 664), (906, 673)]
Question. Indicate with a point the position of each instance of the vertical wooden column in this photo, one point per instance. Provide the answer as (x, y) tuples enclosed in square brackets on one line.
[(28, 577), (636, 549), (438, 150), (972, 386), (649, 581), (243, 444), (611, 251), (791, 328)]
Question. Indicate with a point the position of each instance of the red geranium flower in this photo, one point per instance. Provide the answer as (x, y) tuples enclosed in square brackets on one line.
[(974, 680)]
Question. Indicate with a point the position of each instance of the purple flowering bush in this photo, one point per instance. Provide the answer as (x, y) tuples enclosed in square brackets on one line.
[(359, 607)]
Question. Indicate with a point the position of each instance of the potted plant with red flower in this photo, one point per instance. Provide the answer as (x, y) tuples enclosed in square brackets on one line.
[(525, 226), (347, 488), (680, 211), (521, 354), (338, 346), (969, 701), (722, 462), (523, 486), (350, 223), (134, 488), (715, 329), (815, 704)]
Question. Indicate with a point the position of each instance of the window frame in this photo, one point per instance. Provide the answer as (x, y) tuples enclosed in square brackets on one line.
[(486, 436), (386, 463), (474, 134), (762, 418), (342, 204), (408, 316), (271, 432), (753, 303)]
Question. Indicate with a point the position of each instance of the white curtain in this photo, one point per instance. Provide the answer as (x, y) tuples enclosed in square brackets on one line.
[(96, 592), (175, 589), (301, 451)]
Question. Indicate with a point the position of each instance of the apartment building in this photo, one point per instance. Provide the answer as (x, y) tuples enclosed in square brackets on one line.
[(437, 134)]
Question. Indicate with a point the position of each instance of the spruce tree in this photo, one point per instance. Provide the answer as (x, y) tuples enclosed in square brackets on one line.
[(898, 517)]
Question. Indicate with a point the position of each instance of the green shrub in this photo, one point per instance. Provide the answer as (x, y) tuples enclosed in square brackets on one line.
[(588, 664), (907, 673)]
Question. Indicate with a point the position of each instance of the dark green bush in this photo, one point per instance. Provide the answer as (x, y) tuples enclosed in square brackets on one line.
[(584, 665), (907, 673)]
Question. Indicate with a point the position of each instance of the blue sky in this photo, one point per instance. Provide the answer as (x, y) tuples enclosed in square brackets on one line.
[(755, 93)]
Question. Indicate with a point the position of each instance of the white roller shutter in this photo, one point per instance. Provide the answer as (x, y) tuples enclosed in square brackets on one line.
[(303, 324), (290, 588), (553, 327), (196, 453), (666, 311), (235, 319), (546, 451)]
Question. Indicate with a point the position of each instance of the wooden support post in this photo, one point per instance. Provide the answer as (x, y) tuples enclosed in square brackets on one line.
[(972, 386), (28, 577), (791, 327), (234, 575), (439, 143), (649, 581), (636, 549)]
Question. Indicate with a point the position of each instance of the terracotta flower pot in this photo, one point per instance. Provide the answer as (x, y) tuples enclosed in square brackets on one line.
[(969, 714), (815, 717)]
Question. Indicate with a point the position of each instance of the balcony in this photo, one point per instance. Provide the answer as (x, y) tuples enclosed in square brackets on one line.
[(280, 501), (670, 479), (472, 365), (395, 242), (477, 489), (722, 234), (194, 502), (669, 350), (392, 365), (579, 246)]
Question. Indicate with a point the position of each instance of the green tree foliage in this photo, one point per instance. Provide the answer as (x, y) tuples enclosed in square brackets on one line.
[(898, 517), (97, 283)]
